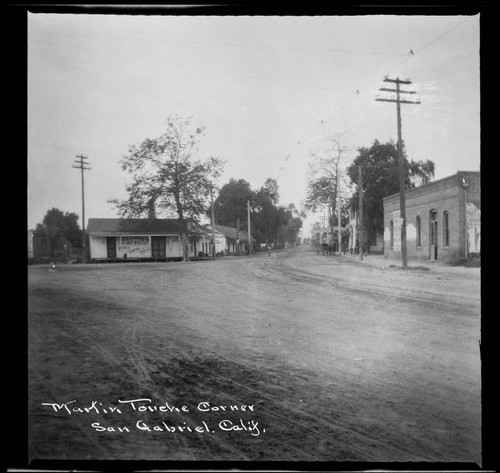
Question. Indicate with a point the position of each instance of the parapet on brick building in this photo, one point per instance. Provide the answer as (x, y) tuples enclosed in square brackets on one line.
[(443, 219)]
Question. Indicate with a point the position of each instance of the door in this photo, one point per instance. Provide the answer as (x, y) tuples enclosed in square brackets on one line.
[(111, 247), (158, 247), (433, 237)]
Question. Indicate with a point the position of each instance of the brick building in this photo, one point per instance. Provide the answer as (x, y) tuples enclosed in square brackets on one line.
[(443, 219)]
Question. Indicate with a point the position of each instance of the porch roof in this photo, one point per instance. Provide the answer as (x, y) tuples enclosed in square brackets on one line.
[(230, 232), (138, 226)]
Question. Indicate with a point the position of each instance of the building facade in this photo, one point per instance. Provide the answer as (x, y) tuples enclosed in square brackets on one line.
[(235, 242), (201, 244), (152, 239), (443, 220)]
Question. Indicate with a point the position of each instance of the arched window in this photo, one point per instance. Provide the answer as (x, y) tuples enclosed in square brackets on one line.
[(446, 229), (418, 225)]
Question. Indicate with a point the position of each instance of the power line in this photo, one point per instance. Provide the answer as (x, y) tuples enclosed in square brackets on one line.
[(350, 100), (234, 45), (205, 69), (410, 56), (442, 35), (163, 96), (65, 148), (296, 84), (149, 93)]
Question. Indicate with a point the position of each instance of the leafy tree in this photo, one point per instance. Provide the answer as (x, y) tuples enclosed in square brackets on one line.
[(327, 183), (319, 193), (231, 203), (269, 222), (165, 175), (380, 178), (289, 232), (62, 224), (269, 192), (267, 217), (56, 225)]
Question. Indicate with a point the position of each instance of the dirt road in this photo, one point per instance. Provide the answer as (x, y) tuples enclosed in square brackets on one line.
[(312, 358)]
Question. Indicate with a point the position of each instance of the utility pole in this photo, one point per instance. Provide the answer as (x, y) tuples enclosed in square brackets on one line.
[(213, 224), (249, 231), (331, 214), (83, 165), (402, 176), (361, 233)]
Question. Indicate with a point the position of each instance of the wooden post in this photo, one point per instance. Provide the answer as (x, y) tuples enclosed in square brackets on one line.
[(213, 224)]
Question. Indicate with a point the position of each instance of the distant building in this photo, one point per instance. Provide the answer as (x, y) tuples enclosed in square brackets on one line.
[(322, 234), (235, 242), (375, 239), (204, 242), (443, 219)]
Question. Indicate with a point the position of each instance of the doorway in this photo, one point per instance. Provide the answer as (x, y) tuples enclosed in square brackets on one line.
[(111, 247), (158, 245)]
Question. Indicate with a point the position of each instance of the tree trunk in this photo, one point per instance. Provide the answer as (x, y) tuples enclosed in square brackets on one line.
[(185, 246), (184, 227), (331, 217)]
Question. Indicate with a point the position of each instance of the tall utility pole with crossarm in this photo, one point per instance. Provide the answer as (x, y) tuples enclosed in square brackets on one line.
[(361, 224), (82, 164), (398, 101)]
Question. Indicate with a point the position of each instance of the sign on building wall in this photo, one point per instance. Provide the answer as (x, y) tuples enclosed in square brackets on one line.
[(135, 246), (397, 222), (473, 228)]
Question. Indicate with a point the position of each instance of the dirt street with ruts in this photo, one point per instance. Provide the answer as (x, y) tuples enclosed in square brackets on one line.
[(296, 356)]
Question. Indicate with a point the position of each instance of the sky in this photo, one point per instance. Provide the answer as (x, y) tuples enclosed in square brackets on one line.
[(271, 92)]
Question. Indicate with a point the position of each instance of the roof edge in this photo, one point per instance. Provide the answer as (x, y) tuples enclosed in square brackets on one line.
[(458, 173)]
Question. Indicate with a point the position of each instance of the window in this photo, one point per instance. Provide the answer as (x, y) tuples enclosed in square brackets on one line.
[(391, 241), (446, 229), (433, 235), (418, 225)]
